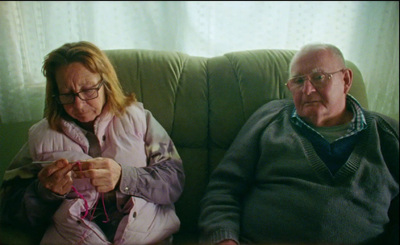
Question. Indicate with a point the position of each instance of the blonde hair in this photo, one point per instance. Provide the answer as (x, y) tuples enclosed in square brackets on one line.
[(95, 61)]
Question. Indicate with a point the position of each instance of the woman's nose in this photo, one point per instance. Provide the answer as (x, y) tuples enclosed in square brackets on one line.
[(78, 102)]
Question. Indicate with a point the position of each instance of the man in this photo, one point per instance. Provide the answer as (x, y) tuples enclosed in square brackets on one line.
[(318, 169)]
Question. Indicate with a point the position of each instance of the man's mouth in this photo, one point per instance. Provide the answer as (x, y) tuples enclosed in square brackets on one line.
[(312, 103)]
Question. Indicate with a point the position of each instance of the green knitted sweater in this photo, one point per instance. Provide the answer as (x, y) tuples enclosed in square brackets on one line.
[(271, 186)]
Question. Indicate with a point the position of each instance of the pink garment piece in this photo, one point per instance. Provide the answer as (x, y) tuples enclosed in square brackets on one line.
[(68, 224), (86, 203), (143, 223)]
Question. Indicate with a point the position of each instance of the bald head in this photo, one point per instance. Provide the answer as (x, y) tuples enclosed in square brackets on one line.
[(309, 48)]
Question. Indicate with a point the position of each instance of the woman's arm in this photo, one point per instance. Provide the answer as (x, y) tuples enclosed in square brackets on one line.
[(24, 202), (162, 180)]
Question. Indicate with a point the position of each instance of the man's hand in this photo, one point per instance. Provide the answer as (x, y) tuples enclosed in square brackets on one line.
[(57, 176), (104, 173)]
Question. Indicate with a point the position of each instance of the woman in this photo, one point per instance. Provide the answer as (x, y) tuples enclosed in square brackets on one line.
[(112, 165)]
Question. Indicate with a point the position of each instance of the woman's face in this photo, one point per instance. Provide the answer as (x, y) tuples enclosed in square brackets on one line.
[(74, 78)]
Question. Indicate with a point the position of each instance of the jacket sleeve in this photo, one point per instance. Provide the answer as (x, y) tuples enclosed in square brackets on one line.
[(23, 201), (162, 180)]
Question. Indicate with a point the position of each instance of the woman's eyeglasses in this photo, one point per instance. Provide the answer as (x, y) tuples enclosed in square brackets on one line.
[(86, 94)]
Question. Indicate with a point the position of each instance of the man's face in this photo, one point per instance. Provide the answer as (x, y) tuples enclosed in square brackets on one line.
[(321, 105)]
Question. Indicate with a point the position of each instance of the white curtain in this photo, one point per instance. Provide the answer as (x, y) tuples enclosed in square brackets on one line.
[(367, 33)]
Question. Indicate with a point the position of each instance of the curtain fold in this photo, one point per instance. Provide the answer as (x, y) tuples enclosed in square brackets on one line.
[(367, 33), (14, 68)]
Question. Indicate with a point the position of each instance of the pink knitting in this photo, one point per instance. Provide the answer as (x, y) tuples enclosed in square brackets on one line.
[(86, 203)]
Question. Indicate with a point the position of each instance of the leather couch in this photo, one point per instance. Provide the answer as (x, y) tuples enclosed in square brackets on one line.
[(202, 102)]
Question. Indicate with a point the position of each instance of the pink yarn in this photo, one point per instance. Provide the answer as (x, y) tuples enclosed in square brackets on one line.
[(86, 203), (104, 207)]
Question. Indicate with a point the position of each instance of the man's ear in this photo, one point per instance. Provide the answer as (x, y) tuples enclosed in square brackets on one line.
[(348, 80)]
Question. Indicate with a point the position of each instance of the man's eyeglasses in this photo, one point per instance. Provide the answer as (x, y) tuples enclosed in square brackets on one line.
[(318, 79), (86, 94)]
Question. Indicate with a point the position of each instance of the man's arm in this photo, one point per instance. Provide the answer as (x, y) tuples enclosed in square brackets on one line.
[(233, 177)]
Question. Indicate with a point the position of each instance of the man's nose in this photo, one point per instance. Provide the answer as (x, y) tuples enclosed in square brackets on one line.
[(308, 87)]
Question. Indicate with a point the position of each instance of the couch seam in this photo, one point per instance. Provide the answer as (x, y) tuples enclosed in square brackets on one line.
[(139, 73), (208, 120), (179, 81), (239, 83)]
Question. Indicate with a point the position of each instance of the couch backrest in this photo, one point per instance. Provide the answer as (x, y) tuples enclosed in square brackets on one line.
[(203, 103)]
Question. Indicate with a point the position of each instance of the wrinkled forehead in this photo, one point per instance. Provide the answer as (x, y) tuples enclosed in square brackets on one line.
[(314, 60), (77, 76)]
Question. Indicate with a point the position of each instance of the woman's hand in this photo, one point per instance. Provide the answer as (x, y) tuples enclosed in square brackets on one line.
[(104, 173), (57, 177)]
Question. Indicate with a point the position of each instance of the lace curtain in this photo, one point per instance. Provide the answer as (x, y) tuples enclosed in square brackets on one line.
[(366, 32)]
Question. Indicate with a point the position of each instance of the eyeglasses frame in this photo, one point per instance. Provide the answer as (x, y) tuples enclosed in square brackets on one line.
[(97, 87), (328, 75)]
